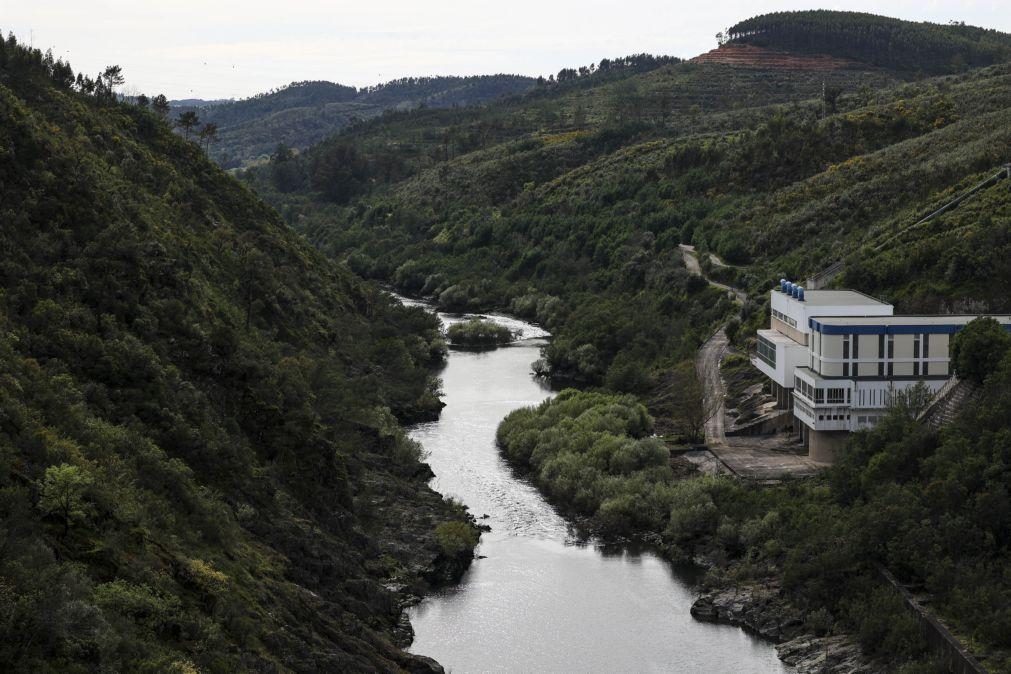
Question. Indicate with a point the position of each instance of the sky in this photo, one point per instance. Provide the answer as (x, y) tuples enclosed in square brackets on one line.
[(234, 49)]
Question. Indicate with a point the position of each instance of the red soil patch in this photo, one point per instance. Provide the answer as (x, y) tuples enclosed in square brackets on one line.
[(750, 56)]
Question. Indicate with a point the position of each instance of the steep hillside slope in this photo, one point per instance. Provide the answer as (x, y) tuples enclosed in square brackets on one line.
[(304, 113), (200, 462)]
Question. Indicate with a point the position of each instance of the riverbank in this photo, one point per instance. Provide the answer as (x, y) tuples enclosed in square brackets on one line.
[(762, 615), (763, 611), (523, 606)]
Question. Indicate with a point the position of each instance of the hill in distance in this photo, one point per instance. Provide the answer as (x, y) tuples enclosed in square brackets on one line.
[(913, 48), (304, 113)]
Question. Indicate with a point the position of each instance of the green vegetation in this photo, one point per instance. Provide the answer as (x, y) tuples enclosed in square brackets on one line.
[(978, 348), (566, 206), (304, 113), (201, 462), (878, 40), (228, 402), (590, 452), (456, 539), (932, 508), (479, 332)]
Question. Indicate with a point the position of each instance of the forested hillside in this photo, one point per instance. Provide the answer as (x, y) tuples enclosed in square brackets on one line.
[(201, 466), (568, 205), (904, 46), (304, 113)]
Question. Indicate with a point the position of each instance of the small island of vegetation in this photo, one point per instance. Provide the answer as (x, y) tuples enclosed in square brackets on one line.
[(479, 332)]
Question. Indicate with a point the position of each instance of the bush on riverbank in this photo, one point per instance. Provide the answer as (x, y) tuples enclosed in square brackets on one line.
[(591, 452), (479, 332), (898, 498)]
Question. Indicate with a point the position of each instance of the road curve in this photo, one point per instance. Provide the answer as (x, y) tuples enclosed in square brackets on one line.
[(692, 263)]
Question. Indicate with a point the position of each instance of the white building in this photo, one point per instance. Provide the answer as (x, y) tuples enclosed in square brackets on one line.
[(836, 357)]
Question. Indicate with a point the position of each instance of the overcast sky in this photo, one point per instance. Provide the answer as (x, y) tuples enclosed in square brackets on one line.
[(236, 48)]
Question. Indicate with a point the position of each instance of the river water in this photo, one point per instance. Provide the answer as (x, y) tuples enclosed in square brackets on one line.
[(540, 600)]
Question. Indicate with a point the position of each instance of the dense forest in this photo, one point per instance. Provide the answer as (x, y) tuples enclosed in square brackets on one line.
[(201, 461), (878, 40), (304, 113)]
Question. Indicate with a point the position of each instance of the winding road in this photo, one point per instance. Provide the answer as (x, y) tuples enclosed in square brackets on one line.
[(710, 354), (751, 458)]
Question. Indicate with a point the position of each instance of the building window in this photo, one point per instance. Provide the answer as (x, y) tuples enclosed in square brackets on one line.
[(881, 355), (836, 395), (767, 351), (779, 315)]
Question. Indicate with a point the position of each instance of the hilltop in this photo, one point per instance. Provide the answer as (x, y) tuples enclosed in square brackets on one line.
[(201, 462), (303, 113), (903, 46)]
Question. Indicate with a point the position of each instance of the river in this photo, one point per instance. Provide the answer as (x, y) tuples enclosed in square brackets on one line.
[(538, 599)]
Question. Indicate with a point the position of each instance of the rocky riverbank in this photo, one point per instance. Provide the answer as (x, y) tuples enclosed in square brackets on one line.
[(763, 611)]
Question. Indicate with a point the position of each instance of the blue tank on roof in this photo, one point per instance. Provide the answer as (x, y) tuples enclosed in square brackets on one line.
[(800, 294), (782, 285)]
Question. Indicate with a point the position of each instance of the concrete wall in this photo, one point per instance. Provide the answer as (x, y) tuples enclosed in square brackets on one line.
[(939, 348), (903, 351), (868, 350), (790, 331), (954, 656), (825, 446)]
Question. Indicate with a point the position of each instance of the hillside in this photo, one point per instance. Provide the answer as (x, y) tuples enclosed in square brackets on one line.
[(304, 113), (743, 55), (905, 46), (201, 466), (579, 194)]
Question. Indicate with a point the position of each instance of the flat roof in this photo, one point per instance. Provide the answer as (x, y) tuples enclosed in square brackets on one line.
[(920, 319), (821, 298), (897, 325), (815, 377)]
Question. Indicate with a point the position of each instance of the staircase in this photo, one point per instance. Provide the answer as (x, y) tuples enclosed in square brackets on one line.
[(948, 401)]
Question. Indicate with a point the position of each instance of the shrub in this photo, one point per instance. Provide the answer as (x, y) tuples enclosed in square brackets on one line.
[(978, 349), (456, 538), (479, 332)]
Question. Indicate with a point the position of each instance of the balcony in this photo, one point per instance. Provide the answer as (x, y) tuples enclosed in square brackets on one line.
[(821, 393), (826, 418)]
